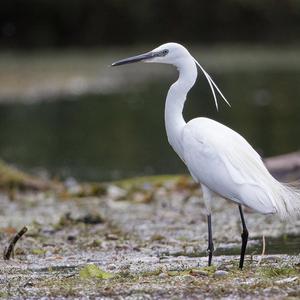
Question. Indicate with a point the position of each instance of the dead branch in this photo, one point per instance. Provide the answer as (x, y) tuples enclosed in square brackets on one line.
[(9, 250)]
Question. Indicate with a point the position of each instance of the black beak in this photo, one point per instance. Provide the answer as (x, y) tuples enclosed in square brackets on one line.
[(133, 59)]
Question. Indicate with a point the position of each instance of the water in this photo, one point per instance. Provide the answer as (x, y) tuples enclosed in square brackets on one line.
[(285, 244), (104, 137)]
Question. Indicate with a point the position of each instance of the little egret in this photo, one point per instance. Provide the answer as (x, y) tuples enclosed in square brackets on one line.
[(218, 158)]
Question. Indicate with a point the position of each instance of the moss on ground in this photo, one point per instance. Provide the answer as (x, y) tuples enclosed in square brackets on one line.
[(159, 284), (273, 272), (12, 178)]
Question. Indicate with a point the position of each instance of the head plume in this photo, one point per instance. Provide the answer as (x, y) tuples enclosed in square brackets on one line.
[(212, 85)]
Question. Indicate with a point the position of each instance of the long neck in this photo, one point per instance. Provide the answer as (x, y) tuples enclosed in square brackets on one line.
[(176, 98)]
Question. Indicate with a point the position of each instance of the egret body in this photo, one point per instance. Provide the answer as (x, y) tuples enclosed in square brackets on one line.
[(217, 157)]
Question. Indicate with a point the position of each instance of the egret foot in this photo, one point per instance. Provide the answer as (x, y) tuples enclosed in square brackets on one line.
[(244, 236), (210, 252), (210, 249)]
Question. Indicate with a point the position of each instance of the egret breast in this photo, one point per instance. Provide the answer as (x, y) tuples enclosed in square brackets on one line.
[(206, 167)]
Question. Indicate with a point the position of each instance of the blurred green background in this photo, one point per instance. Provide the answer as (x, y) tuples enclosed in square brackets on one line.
[(65, 113), (64, 23)]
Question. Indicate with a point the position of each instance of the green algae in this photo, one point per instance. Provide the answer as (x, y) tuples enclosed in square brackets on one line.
[(92, 271), (271, 272), (238, 284), (140, 181), (38, 251), (11, 179)]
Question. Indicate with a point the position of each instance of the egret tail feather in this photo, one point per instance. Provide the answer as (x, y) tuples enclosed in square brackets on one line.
[(287, 199)]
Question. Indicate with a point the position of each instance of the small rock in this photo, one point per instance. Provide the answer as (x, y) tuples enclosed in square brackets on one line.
[(286, 280), (188, 278), (115, 192), (220, 273), (196, 272), (73, 186), (111, 267), (92, 219), (270, 258), (111, 237), (157, 237), (142, 197), (71, 238), (274, 290), (136, 249), (94, 244)]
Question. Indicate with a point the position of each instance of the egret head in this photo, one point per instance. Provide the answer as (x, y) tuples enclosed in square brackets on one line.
[(168, 53), (174, 54)]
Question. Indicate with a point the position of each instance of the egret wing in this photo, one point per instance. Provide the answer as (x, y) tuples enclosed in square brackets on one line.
[(225, 162)]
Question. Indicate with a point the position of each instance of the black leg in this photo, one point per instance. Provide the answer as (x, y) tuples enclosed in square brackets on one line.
[(210, 248), (244, 236)]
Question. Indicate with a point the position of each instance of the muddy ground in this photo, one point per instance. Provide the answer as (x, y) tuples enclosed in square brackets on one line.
[(144, 238)]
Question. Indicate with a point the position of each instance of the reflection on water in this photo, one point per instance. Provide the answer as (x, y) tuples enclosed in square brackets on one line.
[(102, 137)]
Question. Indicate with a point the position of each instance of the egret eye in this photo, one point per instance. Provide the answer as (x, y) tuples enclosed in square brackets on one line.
[(163, 53)]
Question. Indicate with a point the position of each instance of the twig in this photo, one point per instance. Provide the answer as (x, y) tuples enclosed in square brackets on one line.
[(9, 250), (263, 249)]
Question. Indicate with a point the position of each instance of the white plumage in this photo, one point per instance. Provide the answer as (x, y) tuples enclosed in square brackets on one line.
[(218, 158), (225, 162)]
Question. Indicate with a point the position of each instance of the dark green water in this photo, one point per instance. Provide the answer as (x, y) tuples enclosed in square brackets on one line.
[(103, 137), (286, 244)]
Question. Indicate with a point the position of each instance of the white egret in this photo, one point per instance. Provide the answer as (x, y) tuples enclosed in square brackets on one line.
[(218, 158)]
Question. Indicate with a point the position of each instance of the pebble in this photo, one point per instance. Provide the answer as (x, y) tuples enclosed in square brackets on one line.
[(188, 278), (199, 273), (220, 273), (163, 275), (111, 237), (286, 280), (276, 291), (111, 267), (115, 192)]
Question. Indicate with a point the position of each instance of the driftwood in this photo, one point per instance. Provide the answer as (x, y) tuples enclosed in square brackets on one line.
[(9, 251), (284, 167)]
